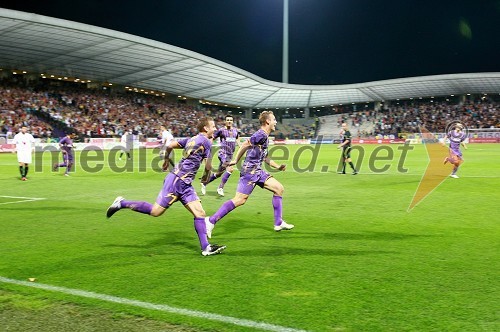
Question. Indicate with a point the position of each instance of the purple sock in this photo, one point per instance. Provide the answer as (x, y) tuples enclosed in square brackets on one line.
[(225, 177), (278, 209), (201, 230), (142, 207), (223, 210), (212, 177)]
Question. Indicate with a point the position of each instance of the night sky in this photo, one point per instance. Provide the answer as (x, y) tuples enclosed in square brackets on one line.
[(331, 41)]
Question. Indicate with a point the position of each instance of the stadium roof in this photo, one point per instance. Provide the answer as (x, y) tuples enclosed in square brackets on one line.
[(42, 44)]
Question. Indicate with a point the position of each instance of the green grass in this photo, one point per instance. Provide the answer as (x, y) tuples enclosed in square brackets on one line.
[(357, 260)]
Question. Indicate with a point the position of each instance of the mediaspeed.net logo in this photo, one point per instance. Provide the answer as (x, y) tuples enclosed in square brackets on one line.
[(436, 171)]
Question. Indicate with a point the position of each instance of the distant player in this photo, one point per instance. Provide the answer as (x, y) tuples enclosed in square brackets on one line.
[(346, 149), (66, 146), (25, 143), (178, 184), (252, 174), (228, 140), (165, 139), (127, 141), (456, 137)]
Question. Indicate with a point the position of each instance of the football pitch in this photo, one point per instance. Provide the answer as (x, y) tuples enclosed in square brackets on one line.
[(357, 260)]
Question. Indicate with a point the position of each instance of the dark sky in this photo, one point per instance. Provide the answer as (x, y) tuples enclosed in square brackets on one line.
[(331, 41)]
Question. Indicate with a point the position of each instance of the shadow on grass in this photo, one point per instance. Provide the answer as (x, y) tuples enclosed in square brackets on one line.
[(169, 240), (382, 236), (305, 251), (236, 226)]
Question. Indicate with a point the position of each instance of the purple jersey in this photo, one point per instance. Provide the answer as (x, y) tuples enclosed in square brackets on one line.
[(228, 139), (196, 149), (256, 153), (455, 139), (66, 144)]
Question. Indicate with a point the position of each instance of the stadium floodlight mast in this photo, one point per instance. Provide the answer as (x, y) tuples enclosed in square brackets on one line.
[(285, 42)]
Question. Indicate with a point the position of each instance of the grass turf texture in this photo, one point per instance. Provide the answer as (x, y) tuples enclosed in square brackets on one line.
[(356, 260)]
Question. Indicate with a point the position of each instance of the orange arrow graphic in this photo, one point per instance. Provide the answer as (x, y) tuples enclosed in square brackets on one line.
[(436, 172)]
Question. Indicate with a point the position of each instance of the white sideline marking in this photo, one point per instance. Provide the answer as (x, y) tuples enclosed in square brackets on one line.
[(23, 199), (147, 305)]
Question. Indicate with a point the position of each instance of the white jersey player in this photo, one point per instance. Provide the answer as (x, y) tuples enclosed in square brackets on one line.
[(25, 144)]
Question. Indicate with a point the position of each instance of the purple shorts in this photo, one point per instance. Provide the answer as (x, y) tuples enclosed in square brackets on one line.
[(175, 189), (249, 180), (456, 152), (68, 157)]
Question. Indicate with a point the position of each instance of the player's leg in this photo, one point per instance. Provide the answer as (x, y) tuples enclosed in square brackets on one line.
[(225, 177), (65, 160), (457, 161), (349, 160), (69, 163), (277, 189), (166, 197), (198, 213), (456, 165), (228, 206), (26, 168), (21, 169), (343, 161)]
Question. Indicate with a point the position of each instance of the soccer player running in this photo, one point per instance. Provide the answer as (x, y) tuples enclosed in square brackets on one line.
[(66, 145), (25, 143), (228, 140), (346, 149), (178, 184), (456, 137), (252, 174)]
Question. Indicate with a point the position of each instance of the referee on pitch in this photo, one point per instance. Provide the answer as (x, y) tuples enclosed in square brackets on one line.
[(346, 149)]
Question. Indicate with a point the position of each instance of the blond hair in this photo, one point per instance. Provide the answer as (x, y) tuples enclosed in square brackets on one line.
[(264, 116)]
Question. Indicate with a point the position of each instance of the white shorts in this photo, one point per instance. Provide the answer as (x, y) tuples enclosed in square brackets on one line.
[(24, 157)]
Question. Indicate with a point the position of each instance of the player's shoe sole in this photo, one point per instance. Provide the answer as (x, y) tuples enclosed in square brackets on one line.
[(213, 249), (114, 207)]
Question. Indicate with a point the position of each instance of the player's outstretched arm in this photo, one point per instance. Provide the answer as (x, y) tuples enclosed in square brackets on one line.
[(243, 148), (273, 164), (170, 147)]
